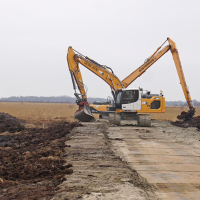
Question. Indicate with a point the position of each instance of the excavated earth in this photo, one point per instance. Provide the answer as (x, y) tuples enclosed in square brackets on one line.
[(32, 164), (9, 123), (194, 122), (100, 161)]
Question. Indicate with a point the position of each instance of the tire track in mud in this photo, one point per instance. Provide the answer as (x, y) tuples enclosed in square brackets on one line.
[(170, 166), (98, 173)]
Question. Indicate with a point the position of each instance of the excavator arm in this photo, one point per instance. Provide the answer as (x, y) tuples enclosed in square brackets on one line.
[(76, 76), (148, 62), (74, 59), (152, 59), (179, 69), (102, 71)]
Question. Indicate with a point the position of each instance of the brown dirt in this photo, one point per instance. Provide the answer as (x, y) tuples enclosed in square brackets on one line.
[(194, 122), (9, 123), (32, 163)]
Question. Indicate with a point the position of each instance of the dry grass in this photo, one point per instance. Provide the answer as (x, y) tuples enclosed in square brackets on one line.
[(172, 112), (39, 111), (36, 112)]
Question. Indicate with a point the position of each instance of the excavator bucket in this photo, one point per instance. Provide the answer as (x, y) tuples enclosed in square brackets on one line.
[(84, 114), (185, 116)]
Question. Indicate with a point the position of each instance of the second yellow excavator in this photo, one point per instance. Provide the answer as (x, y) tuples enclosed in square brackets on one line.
[(128, 103)]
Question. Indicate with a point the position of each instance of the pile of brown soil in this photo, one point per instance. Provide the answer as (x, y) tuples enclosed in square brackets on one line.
[(9, 123), (32, 162), (194, 122)]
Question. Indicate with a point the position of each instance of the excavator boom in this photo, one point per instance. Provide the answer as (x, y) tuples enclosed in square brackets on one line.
[(152, 59), (139, 71), (104, 72)]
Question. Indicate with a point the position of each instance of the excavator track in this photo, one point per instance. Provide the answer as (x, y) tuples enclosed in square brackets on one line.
[(144, 120), (137, 120)]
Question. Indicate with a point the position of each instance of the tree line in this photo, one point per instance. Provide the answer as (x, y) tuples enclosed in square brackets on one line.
[(67, 99)]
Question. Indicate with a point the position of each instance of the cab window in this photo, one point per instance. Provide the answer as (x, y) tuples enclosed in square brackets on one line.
[(118, 100), (130, 96), (155, 105)]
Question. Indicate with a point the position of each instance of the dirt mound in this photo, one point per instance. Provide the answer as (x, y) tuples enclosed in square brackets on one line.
[(194, 122), (187, 115), (9, 123), (32, 162)]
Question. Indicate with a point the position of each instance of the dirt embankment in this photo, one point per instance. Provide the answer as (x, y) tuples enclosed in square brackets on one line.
[(9, 123), (31, 161)]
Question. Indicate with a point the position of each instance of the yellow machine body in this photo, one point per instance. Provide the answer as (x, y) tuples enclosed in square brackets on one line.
[(153, 105), (99, 108)]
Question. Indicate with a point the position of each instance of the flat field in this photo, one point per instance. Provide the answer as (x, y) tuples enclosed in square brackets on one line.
[(37, 112), (65, 111)]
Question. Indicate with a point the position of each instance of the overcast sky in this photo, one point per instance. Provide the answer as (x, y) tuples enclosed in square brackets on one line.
[(35, 35)]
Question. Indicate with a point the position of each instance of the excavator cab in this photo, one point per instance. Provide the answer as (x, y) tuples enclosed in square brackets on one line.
[(128, 100)]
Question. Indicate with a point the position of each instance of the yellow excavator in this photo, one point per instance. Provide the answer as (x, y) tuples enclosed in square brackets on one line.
[(129, 103)]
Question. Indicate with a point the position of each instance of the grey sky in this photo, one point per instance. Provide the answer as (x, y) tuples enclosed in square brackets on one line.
[(35, 35)]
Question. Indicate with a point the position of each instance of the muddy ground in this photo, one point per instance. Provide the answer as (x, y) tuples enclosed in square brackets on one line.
[(88, 161), (31, 160), (10, 123)]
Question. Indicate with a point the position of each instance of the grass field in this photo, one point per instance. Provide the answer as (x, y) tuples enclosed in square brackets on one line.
[(38, 112)]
